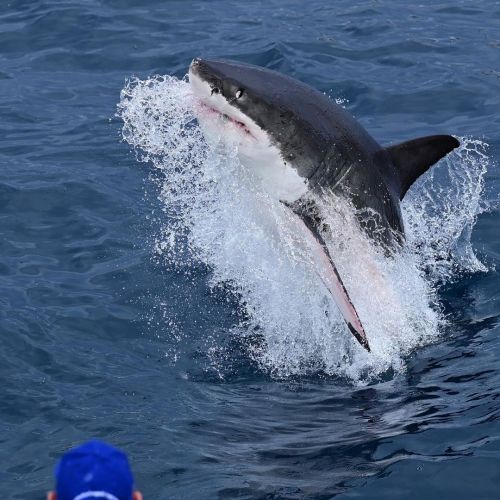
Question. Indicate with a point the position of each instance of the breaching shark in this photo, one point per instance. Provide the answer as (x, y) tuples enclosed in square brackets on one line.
[(299, 141)]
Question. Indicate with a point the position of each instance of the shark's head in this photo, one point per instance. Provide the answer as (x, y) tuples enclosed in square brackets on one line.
[(269, 113)]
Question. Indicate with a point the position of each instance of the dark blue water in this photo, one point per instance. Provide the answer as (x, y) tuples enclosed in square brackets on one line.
[(102, 336)]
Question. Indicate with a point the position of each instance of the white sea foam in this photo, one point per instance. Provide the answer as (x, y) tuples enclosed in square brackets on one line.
[(218, 215)]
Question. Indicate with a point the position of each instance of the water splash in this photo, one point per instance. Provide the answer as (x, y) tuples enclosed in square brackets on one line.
[(440, 211), (217, 215)]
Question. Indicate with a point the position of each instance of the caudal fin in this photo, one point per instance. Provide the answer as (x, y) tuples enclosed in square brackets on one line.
[(413, 158)]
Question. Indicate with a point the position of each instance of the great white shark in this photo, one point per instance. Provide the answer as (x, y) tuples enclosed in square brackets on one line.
[(299, 141)]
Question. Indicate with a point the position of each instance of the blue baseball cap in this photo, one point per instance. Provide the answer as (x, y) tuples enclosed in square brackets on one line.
[(94, 470)]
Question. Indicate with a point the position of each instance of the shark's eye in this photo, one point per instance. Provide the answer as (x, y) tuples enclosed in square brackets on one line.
[(215, 90), (238, 94)]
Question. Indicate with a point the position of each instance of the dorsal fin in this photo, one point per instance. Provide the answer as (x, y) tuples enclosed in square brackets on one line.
[(413, 158)]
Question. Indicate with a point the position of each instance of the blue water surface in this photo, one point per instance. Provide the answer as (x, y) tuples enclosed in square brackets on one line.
[(86, 351)]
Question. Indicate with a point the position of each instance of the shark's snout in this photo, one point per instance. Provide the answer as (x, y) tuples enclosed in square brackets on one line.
[(194, 66), (201, 68), (195, 63)]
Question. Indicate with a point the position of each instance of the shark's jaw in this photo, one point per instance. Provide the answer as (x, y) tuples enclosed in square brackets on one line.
[(212, 112), (257, 151)]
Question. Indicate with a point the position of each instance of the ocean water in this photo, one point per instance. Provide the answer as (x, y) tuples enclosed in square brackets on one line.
[(153, 296)]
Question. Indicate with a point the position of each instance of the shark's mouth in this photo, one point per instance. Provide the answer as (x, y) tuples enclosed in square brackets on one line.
[(208, 111)]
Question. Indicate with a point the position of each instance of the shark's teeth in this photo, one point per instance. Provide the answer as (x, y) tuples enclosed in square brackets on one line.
[(226, 118)]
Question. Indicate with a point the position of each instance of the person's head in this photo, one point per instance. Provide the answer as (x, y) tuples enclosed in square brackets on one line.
[(94, 471)]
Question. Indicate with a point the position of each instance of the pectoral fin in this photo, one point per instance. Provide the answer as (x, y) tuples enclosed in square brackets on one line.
[(330, 277)]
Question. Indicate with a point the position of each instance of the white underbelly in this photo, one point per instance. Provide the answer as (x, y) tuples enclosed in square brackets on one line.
[(278, 178)]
